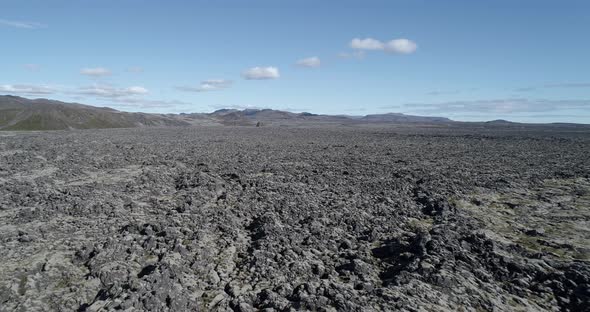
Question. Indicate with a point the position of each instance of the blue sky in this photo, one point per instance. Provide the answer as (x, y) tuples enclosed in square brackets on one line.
[(468, 60)]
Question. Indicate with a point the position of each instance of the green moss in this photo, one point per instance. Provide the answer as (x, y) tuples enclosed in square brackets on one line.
[(151, 259), (22, 285), (420, 224), (37, 122), (95, 122), (59, 119), (513, 303), (63, 283), (559, 207), (7, 115)]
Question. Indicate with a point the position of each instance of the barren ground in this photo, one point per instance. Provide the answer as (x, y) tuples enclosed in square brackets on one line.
[(245, 219)]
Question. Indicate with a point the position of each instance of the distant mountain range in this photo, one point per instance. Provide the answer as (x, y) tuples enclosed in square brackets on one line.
[(18, 113), (271, 116)]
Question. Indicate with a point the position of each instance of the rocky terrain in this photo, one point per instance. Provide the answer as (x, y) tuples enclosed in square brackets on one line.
[(408, 218)]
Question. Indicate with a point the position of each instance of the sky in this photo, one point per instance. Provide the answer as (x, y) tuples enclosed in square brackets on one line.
[(525, 60)]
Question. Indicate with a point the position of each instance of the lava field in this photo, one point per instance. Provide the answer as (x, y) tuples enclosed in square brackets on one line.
[(280, 219)]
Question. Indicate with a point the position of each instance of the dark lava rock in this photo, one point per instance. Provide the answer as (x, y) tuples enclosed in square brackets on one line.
[(246, 219)]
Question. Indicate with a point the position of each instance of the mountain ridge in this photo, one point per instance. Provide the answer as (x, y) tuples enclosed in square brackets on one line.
[(19, 113)]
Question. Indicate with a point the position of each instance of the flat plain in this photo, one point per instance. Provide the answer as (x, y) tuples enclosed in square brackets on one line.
[(411, 218)]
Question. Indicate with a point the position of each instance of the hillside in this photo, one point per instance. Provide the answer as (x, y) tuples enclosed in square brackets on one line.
[(17, 113), (270, 116)]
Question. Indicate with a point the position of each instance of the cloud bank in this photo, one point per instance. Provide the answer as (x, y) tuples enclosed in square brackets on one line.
[(498, 106), (27, 89), (105, 91)]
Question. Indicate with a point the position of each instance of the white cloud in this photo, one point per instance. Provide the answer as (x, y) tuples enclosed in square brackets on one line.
[(366, 44), (311, 62), (259, 73), (403, 46), (106, 91), (208, 85), (95, 72), (99, 91), (21, 24), (27, 89)]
